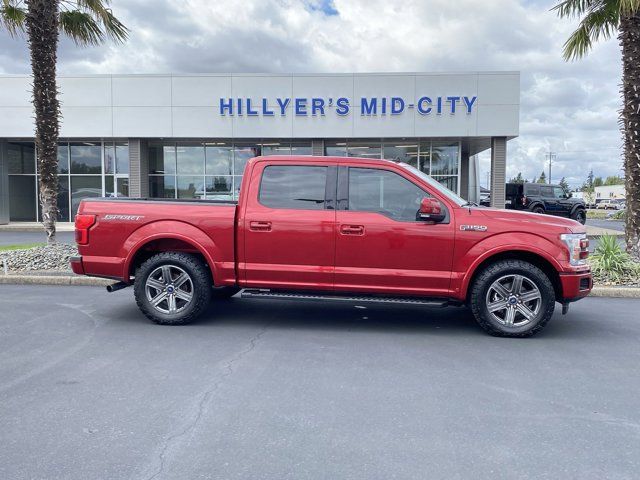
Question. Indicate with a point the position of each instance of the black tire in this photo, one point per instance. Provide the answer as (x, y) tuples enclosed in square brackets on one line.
[(480, 295), (223, 293), (579, 215), (538, 209), (198, 286)]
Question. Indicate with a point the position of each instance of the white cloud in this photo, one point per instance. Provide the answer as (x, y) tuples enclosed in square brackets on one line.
[(569, 108)]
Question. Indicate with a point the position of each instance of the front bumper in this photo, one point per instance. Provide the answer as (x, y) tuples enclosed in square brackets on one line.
[(575, 286), (76, 265)]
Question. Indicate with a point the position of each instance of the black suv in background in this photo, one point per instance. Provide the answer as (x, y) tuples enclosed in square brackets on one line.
[(543, 198)]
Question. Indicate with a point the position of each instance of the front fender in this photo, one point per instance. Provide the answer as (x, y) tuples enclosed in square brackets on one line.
[(170, 229), (468, 263)]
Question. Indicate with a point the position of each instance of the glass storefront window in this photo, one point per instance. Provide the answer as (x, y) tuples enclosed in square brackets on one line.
[(191, 187), (444, 159), (22, 198), (237, 183), (365, 150), (301, 148), (402, 153), (162, 186), (450, 182), (86, 158), (219, 159), (219, 188), (63, 198), (121, 185), (241, 155), (162, 159), (424, 157), (21, 158), (190, 159), (84, 187), (338, 149), (276, 148), (116, 158), (63, 158)]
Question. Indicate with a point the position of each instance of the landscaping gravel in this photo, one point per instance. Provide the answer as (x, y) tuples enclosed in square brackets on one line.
[(49, 257)]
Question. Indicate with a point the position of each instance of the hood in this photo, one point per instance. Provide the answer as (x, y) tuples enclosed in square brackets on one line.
[(534, 220)]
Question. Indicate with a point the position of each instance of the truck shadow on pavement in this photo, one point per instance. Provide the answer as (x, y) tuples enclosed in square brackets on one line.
[(353, 317)]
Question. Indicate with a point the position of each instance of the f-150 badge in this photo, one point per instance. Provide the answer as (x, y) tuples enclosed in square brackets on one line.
[(473, 228)]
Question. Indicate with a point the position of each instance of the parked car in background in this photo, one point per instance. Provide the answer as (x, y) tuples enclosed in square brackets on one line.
[(543, 198), (609, 204), (314, 228)]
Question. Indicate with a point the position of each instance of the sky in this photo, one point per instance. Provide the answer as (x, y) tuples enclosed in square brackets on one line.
[(570, 109)]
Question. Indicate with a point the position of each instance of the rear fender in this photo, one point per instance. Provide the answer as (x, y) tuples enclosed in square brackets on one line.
[(511, 243), (170, 229)]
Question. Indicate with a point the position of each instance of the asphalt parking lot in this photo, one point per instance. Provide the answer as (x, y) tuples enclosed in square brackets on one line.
[(89, 389)]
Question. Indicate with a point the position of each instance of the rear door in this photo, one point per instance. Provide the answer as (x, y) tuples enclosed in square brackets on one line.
[(380, 245), (288, 226), (551, 203)]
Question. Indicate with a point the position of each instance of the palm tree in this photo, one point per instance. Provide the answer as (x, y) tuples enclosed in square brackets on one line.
[(601, 19), (87, 22)]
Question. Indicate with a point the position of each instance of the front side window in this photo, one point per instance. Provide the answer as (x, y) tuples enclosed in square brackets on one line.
[(293, 187), (384, 192), (558, 192)]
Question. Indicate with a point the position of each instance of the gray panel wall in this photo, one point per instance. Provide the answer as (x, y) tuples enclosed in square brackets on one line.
[(187, 106), (4, 184), (498, 171), (317, 148), (138, 168)]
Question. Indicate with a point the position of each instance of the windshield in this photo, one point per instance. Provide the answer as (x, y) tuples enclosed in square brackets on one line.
[(437, 185)]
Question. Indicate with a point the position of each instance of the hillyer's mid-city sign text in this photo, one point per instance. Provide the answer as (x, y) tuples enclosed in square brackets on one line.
[(369, 106)]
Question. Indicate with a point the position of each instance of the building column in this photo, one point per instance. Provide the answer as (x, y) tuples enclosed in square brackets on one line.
[(4, 184), (317, 148), (498, 171), (138, 168), (464, 176)]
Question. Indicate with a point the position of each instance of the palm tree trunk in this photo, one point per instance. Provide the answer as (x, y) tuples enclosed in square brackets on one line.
[(629, 38), (42, 32)]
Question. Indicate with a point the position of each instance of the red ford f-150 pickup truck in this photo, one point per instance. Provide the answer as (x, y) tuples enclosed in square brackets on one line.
[(336, 228)]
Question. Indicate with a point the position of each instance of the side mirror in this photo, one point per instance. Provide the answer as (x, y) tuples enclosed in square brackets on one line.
[(431, 210)]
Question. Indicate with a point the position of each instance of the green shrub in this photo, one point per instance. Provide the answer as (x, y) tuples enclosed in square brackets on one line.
[(619, 215), (611, 264)]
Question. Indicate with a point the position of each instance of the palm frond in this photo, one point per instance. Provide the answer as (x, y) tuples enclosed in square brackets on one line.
[(577, 8), (628, 7), (597, 24), (97, 17), (81, 27), (12, 17)]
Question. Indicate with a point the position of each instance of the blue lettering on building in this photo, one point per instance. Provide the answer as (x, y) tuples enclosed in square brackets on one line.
[(369, 106)]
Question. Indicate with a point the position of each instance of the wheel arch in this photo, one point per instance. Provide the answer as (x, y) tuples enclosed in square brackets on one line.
[(529, 256), (142, 244)]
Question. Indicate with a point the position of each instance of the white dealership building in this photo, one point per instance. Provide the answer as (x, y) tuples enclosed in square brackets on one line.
[(190, 136)]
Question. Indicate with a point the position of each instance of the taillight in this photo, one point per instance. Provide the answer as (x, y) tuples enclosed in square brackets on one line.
[(83, 224)]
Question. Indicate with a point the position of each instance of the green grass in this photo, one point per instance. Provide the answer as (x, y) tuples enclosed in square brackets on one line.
[(599, 214), (22, 246)]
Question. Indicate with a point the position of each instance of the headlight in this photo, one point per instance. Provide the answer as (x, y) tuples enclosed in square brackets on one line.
[(578, 246)]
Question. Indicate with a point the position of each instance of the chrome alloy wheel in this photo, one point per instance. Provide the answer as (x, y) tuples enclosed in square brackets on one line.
[(513, 300), (169, 289)]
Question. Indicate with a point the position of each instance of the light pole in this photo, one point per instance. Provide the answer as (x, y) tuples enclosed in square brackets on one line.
[(550, 156)]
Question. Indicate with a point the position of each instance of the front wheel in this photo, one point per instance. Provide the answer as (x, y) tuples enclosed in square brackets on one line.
[(512, 298), (580, 216), (172, 288)]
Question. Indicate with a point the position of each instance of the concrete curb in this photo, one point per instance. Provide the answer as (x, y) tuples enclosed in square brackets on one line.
[(71, 280), (79, 280), (616, 292)]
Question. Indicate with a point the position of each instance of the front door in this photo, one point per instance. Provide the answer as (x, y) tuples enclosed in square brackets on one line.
[(288, 227), (380, 246)]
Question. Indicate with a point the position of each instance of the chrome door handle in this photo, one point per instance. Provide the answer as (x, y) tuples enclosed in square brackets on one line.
[(352, 229), (260, 226)]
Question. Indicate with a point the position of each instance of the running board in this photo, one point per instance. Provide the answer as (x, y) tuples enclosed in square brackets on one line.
[(268, 294)]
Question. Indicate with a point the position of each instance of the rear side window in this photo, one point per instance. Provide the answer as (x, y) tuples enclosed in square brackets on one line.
[(546, 191), (384, 192), (532, 189), (296, 187)]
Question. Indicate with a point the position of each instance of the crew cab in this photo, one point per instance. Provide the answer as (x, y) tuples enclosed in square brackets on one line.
[(336, 228)]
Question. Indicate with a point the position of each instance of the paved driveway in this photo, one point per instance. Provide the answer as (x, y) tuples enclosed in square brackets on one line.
[(89, 389), (8, 237)]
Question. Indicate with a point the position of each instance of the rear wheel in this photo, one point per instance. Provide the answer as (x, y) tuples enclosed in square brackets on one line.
[(579, 216), (512, 298), (172, 288), (538, 209)]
